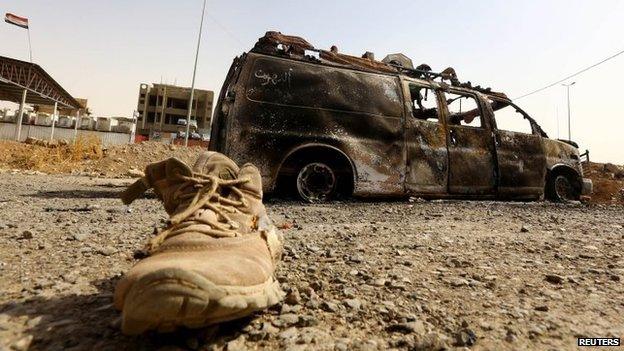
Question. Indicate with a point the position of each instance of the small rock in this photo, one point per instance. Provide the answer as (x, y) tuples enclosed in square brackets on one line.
[(135, 173), (543, 308), (465, 337), (379, 282), (293, 297), (288, 334), (354, 304), (417, 327), (307, 321), (456, 282), (356, 259), (106, 251), (80, 236), (525, 228), (554, 279), (27, 234), (288, 319), (510, 337), (329, 306)]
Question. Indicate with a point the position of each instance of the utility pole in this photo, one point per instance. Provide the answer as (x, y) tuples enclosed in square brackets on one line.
[(190, 107), (53, 120), (557, 122), (18, 127), (569, 127)]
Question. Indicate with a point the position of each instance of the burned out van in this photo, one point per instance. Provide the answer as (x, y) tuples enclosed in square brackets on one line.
[(325, 124)]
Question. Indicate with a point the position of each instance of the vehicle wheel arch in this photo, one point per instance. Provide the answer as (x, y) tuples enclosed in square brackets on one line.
[(311, 151), (561, 168)]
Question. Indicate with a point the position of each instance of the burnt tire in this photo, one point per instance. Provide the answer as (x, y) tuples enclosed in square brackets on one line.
[(316, 182), (560, 188)]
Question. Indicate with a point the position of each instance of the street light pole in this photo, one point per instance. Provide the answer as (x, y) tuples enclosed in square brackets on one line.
[(569, 127), (190, 107)]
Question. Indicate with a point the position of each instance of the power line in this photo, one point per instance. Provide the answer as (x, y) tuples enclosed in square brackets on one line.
[(226, 31), (572, 75)]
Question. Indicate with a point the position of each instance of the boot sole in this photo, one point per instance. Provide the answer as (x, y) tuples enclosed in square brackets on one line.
[(171, 298)]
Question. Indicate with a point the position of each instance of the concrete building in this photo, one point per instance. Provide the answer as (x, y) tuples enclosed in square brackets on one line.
[(163, 109)]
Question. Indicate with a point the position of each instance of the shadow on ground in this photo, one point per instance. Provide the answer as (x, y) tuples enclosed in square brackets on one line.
[(90, 322), (83, 194)]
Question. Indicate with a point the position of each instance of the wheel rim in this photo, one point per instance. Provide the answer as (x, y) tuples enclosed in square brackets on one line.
[(564, 189), (316, 182)]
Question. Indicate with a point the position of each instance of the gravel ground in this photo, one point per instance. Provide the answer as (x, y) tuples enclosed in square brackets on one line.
[(360, 275)]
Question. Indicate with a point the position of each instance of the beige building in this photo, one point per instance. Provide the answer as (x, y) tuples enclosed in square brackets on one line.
[(163, 108)]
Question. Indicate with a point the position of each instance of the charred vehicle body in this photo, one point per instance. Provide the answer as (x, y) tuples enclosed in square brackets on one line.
[(325, 124)]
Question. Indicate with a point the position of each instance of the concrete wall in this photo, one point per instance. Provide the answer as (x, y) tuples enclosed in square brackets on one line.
[(7, 132)]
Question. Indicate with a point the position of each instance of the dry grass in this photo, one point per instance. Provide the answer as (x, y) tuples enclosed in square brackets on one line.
[(55, 158)]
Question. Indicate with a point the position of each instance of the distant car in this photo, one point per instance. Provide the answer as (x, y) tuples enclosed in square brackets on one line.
[(181, 135), (205, 137), (181, 121), (195, 136)]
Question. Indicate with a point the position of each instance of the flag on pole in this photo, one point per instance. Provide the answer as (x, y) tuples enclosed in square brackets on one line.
[(16, 20)]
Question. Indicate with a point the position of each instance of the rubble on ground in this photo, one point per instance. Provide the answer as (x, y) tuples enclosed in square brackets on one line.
[(417, 275)]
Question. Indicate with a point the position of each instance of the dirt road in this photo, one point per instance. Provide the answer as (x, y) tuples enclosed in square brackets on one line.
[(362, 275)]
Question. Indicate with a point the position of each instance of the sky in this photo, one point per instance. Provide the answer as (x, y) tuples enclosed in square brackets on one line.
[(103, 50)]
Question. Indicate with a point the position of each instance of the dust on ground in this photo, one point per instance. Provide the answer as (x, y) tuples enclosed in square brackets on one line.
[(360, 275)]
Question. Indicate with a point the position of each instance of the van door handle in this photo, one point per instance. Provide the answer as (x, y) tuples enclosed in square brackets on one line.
[(453, 137), (496, 140)]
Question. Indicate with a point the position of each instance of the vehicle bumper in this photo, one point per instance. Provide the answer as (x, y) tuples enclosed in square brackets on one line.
[(587, 187)]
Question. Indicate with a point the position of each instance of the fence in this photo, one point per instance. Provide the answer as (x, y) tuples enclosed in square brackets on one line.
[(7, 132)]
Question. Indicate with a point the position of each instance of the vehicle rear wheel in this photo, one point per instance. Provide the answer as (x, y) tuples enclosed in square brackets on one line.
[(316, 182), (561, 189)]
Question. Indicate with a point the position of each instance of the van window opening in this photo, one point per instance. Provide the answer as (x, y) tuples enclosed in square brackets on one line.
[(424, 103), (509, 118), (463, 110)]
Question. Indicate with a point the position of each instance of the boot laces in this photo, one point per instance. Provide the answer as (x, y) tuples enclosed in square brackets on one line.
[(201, 191)]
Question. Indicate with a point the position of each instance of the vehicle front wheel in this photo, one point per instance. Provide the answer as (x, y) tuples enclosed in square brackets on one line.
[(316, 182), (560, 188)]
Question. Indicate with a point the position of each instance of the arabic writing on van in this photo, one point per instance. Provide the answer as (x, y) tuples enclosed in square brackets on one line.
[(274, 79)]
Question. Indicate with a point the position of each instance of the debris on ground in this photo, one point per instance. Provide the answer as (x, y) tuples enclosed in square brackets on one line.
[(392, 281)]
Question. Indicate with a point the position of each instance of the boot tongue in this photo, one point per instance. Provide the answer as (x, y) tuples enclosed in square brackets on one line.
[(216, 164)]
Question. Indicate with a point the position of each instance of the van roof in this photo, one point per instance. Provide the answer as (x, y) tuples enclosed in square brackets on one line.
[(297, 48)]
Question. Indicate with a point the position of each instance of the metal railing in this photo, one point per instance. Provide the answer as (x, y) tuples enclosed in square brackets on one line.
[(584, 157)]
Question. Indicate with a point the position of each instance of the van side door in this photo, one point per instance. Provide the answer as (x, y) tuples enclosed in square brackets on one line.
[(425, 138), (520, 152), (471, 153)]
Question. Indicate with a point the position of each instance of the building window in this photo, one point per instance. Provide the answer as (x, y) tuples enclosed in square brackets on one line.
[(150, 117), (152, 100)]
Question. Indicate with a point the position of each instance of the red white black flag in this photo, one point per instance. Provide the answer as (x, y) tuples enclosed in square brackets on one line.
[(16, 20)]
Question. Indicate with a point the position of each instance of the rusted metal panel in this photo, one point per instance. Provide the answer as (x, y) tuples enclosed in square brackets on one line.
[(279, 109), (558, 153), (471, 161)]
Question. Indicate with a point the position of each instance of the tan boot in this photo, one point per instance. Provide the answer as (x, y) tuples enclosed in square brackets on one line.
[(215, 261)]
